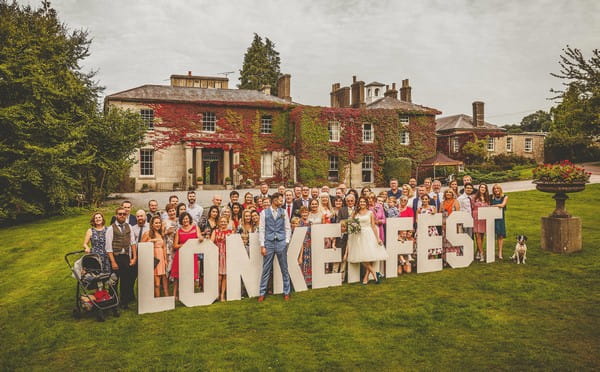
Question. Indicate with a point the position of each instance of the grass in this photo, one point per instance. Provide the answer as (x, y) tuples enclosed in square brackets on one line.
[(501, 316)]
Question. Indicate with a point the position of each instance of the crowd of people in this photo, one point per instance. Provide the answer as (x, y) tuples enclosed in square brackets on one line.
[(362, 215)]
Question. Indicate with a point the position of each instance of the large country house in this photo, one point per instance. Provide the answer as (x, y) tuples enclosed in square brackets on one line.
[(200, 131)]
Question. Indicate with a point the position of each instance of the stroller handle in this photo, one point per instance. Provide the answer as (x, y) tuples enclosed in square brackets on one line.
[(71, 254)]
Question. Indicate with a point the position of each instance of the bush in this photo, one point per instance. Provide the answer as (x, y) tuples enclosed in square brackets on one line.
[(399, 168), (509, 161)]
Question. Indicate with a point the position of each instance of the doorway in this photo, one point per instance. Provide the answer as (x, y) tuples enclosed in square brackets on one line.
[(211, 162)]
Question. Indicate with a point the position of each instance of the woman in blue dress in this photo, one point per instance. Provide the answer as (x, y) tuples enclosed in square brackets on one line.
[(499, 200), (97, 236)]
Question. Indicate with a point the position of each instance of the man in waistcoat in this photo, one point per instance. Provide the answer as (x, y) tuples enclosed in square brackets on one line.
[(122, 253), (274, 233)]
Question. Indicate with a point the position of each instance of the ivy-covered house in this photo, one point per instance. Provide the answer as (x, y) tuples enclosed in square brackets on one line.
[(199, 131)]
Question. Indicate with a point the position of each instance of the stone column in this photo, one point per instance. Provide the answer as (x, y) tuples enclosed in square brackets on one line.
[(236, 164), (226, 168), (199, 165), (189, 162)]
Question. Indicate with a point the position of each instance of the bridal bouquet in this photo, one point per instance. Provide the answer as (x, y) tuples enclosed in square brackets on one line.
[(353, 226)]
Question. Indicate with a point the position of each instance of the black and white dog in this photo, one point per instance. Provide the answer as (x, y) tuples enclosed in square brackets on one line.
[(520, 249)]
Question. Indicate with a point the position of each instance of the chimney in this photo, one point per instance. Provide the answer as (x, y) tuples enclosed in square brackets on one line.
[(266, 89), (405, 94), (391, 92), (358, 93), (283, 87), (189, 73), (478, 114)]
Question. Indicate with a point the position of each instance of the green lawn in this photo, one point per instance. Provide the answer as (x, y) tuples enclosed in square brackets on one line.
[(500, 316)]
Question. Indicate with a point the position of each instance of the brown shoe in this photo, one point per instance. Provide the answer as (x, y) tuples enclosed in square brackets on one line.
[(261, 298), (286, 297)]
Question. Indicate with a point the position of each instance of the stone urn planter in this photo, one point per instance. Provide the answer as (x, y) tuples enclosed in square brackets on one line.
[(561, 232)]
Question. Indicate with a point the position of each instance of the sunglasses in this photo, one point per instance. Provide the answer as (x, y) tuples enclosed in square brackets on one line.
[(121, 214)]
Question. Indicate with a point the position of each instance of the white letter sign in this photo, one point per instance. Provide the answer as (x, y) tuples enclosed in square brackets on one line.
[(426, 242), (459, 239), (147, 303)]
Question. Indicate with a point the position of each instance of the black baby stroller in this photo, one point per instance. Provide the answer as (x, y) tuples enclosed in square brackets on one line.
[(95, 289)]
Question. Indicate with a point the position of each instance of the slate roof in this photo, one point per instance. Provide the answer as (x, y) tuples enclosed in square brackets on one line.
[(375, 83), (396, 104), (166, 93), (462, 121)]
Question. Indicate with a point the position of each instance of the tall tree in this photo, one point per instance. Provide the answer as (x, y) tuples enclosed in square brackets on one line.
[(47, 108), (538, 121), (260, 66), (576, 118)]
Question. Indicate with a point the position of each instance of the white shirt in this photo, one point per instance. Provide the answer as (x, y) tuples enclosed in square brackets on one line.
[(195, 211), (261, 226), (109, 238), (440, 196), (136, 231), (465, 203)]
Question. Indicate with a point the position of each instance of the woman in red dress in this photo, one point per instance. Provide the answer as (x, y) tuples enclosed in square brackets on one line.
[(187, 231), (219, 237)]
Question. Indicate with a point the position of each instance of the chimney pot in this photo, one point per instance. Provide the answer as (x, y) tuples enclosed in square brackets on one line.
[(354, 79), (405, 91), (393, 86), (189, 73), (478, 114), (387, 87)]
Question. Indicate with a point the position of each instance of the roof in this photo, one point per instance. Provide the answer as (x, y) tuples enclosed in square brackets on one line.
[(199, 77), (461, 121), (396, 104), (375, 83), (166, 93), (440, 159)]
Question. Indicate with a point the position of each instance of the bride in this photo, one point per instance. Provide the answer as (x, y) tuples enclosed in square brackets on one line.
[(366, 246)]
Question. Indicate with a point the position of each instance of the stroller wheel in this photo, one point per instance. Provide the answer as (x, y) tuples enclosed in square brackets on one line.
[(116, 313), (76, 313), (100, 316)]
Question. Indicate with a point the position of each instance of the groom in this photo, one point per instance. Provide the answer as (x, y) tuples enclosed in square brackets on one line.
[(274, 234)]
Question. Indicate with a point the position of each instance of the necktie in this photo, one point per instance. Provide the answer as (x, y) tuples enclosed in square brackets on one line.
[(121, 227), (140, 234), (288, 211)]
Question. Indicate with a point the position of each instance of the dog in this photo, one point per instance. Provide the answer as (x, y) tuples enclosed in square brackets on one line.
[(520, 254)]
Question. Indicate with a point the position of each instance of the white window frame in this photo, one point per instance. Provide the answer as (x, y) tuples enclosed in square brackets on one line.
[(404, 120), (334, 131), (509, 144), (529, 148), (404, 137), (209, 120), (266, 164), (490, 144), (146, 163), (455, 144), (367, 166), (148, 118), (266, 124), (334, 166), (368, 135)]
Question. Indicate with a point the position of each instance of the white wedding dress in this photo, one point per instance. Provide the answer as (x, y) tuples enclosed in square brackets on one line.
[(363, 246)]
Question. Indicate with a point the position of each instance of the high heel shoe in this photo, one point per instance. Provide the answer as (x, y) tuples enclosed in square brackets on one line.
[(378, 277)]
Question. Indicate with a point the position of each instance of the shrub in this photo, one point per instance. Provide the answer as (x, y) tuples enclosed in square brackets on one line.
[(399, 168)]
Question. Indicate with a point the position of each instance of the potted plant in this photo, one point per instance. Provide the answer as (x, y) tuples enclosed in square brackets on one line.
[(228, 180), (145, 188), (560, 179), (199, 180)]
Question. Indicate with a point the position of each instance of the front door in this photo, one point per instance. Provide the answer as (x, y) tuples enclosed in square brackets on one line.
[(211, 160)]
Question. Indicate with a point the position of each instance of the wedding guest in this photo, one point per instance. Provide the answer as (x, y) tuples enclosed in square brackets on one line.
[(412, 182), (187, 231), (466, 201), (394, 190), (303, 201), (181, 207), (392, 210), (499, 200), (481, 199), (341, 243), (122, 252), (236, 215), (365, 191), (314, 215), (325, 208), (466, 179), (294, 222), (234, 197), (449, 204), (255, 219), (454, 187), (219, 237), (281, 189), (195, 210), (173, 199), (248, 200), (130, 219), (155, 236), (288, 203), (96, 234), (211, 222), (404, 210), (152, 210), (425, 208), (305, 257), (246, 228), (297, 192), (226, 212), (427, 183), (170, 225), (314, 193), (338, 204), (379, 213)]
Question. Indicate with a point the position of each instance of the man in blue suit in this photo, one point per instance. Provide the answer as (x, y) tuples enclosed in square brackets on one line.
[(274, 232)]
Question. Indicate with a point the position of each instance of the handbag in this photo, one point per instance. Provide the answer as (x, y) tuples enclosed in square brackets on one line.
[(156, 262)]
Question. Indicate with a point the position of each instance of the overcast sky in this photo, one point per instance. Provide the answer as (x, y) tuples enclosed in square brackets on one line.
[(453, 52)]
